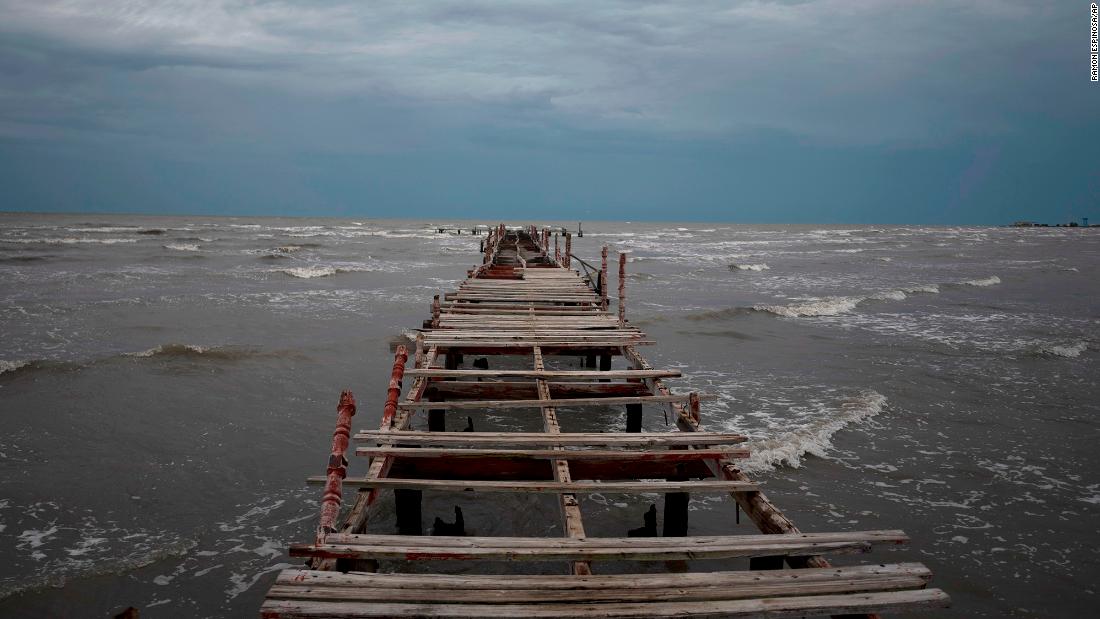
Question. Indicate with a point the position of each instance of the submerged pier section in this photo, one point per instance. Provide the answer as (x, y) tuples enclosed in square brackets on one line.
[(499, 344)]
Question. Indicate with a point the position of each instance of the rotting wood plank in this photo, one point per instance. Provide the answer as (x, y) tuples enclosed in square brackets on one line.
[(784, 607), (577, 439), (550, 454), (570, 506), (559, 403), (576, 487), (628, 374), (732, 580), (740, 589)]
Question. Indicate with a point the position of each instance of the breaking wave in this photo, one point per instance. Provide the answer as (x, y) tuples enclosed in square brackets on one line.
[(992, 280), (1069, 351), (182, 246), (193, 351), (7, 367), (749, 267), (309, 272), (831, 306), (828, 306), (69, 240), (815, 439)]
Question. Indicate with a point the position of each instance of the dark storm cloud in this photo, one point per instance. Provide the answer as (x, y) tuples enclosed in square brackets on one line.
[(712, 105)]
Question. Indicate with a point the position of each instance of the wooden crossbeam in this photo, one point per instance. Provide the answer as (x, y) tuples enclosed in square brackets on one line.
[(548, 374), (543, 439), (565, 402), (636, 588), (797, 606), (576, 487), (551, 454), (353, 546)]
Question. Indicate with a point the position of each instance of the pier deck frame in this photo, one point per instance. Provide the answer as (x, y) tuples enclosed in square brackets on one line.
[(525, 300)]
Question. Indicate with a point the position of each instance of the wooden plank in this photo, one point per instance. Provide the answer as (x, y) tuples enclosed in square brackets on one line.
[(625, 487), (628, 374), (575, 439), (743, 589), (697, 542), (732, 580), (547, 343), (772, 608), (568, 402), (550, 454), (570, 506)]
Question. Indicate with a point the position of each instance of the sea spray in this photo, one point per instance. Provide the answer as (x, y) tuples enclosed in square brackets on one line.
[(789, 448)]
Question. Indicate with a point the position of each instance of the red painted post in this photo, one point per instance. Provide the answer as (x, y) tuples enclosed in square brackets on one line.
[(394, 390), (622, 289), (337, 466), (603, 277)]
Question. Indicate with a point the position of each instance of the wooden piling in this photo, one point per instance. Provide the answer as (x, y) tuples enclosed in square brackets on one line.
[(622, 289), (603, 278), (337, 466)]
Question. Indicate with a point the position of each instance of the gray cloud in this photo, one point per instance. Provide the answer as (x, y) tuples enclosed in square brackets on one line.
[(830, 69)]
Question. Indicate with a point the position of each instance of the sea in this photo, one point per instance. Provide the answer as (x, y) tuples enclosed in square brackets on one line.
[(168, 383)]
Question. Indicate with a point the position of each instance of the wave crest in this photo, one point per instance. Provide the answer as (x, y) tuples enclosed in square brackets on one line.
[(749, 267), (992, 280), (789, 448)]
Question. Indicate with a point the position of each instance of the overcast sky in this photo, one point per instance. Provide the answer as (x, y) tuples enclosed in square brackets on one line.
[(795, 111)]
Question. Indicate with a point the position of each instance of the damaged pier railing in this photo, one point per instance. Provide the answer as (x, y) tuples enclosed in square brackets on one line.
[(531, 321)]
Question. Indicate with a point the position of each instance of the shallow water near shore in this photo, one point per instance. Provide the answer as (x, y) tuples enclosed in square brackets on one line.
[(167, 383)]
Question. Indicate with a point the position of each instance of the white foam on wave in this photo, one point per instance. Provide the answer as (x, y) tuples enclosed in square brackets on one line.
[(11, 366), (1070, 351), (749, 267), (830, 306), (925, 288), (182, 246), (992, 280), (309, 272), (169, 348), (815, 438), (70, 240)]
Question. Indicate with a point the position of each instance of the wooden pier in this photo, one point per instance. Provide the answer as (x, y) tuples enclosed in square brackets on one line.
[(525, 302)]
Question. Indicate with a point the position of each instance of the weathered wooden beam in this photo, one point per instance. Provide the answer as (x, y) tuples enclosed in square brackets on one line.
[(624, 487), (576, 439), (548, 374), (773, 608), (566, 402)]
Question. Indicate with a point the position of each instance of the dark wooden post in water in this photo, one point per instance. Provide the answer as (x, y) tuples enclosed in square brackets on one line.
[(633, 417), (622, 289), (676, 509), (557, 250), (337, 466), (568, 250), (603, 278)]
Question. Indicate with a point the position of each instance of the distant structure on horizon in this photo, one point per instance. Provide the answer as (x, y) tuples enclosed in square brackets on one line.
[(1073, 224)]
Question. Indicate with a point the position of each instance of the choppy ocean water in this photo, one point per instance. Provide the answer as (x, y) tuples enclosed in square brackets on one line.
[(167, 383)]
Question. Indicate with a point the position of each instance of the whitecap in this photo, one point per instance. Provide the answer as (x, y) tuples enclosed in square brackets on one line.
[(749, 267), (1070, 351), (830, 306), (309, 272), (182, 246), (992, 280), (788, 449)]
